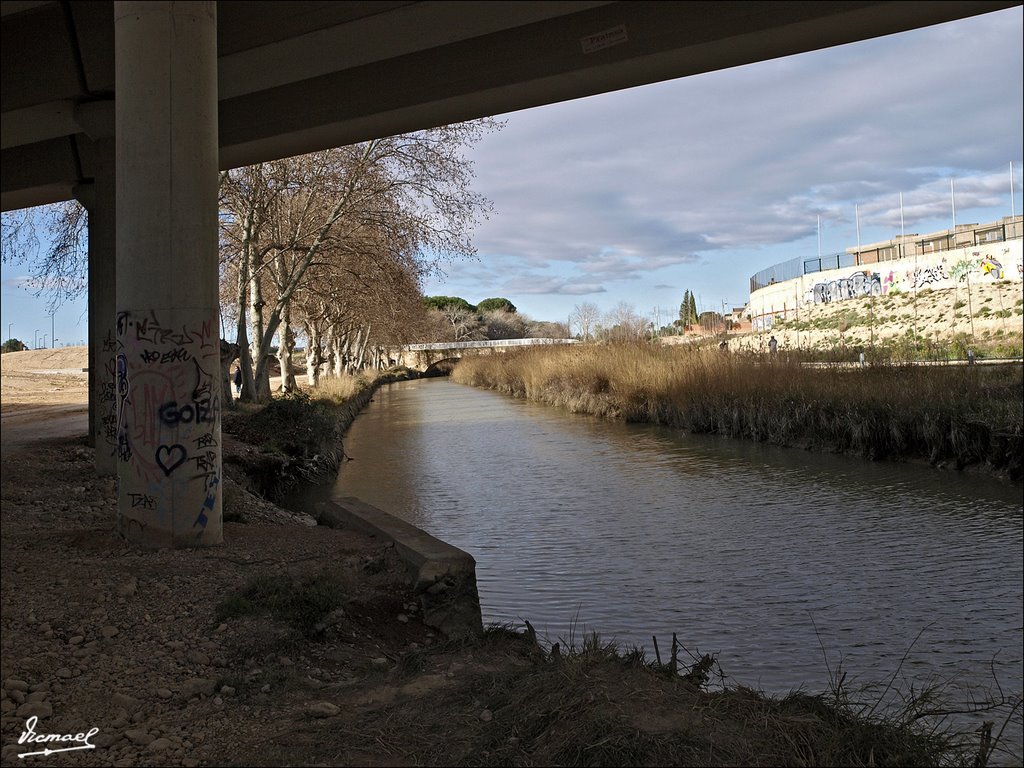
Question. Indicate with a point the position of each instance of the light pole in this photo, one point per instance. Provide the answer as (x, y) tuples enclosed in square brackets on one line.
[(9, 326), (44, 340), (35, 339), (53, 338)]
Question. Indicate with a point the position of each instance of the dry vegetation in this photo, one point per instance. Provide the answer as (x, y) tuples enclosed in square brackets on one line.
[(934, 324), (961, 415)]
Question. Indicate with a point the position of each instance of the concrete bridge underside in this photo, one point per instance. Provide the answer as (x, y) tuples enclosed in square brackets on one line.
[(132, 107)]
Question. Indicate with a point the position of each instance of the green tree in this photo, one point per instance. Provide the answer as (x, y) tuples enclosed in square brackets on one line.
[(441, 303), (495, 305), (13, 345), (688, 310)]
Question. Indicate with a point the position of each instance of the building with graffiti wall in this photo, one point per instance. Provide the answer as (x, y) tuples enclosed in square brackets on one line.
[(972, 253)]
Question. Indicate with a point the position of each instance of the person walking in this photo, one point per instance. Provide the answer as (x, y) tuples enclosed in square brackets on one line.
[(773, 345), (238, 381)]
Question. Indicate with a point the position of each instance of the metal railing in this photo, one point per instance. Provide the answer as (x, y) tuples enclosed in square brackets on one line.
[(484, 344)]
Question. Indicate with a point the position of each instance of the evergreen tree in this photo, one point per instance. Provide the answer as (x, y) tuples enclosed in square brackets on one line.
[(684, 309), (688, 310)]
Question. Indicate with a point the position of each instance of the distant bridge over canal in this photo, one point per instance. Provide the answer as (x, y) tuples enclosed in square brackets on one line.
[(423, 357)]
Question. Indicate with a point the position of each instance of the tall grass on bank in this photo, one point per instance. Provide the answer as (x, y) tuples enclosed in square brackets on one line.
[(962, 415)]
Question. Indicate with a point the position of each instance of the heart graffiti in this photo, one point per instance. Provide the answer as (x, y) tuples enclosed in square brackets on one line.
[(170, 457)]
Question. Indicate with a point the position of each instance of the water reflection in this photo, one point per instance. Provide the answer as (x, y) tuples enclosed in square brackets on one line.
[(760, 554)]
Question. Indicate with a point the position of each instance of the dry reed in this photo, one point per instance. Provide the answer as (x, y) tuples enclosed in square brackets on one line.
[(959, 415)]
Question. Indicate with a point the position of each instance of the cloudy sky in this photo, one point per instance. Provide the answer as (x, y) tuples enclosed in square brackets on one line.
[(698, 183)]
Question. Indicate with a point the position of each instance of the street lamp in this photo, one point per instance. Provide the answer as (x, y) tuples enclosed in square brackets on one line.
[(44, 340), (9, 326), (35, 339), (53, 338)]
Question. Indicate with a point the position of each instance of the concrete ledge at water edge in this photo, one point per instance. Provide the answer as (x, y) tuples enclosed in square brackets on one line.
[(443, 576)]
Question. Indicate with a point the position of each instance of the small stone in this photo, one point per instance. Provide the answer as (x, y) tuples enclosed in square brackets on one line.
[(227, 690), (218, 701), (486, 716), (164, 693), (76, 640), (380, 661), (17, 696), (44, 628), (158, 745), (403, 618), (139, 736), (127, 589), (323, 709), (221, 628), (189, 762), (265, 688), (104, 740), (15, 685), (63, 672), (109, 631), (284, 661), (37, 696), (34, 709), (125, 702), (198, 657), (198, 686)]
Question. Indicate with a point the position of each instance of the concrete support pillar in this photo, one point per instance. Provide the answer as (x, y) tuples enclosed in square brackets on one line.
[(168, 345), (99, 200)]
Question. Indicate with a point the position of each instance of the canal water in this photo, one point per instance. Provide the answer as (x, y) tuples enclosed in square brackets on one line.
[(786, 563)]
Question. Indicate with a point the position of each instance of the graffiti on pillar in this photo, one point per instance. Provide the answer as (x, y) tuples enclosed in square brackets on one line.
[(168, 423), (170, 457), (143, 500)]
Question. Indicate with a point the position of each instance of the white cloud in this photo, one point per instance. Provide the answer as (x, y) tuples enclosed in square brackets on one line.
[(669, 178)]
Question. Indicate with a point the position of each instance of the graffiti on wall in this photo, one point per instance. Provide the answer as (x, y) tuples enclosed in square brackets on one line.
[(168, 424), (863, 283)]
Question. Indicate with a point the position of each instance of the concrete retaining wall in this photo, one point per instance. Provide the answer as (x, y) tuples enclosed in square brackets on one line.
[(443, 576), (975, 265)]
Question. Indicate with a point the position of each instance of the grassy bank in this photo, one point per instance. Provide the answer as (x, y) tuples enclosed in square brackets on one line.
[(963, 416)]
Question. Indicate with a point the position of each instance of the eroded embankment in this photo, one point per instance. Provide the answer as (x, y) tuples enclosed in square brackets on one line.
[(295, 440), (969, 416)]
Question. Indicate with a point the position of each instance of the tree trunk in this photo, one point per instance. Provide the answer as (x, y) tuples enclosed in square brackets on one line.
[(228, 353), (242, 332), (314, 353), (285, 349), (260, 343), (338, 352)]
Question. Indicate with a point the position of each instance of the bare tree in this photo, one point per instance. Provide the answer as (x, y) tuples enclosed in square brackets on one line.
[(60, 270), (291, 216), (585, 316), (625, 323)]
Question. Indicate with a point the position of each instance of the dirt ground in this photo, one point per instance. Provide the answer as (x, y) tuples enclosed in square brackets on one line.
[(97, 634)]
